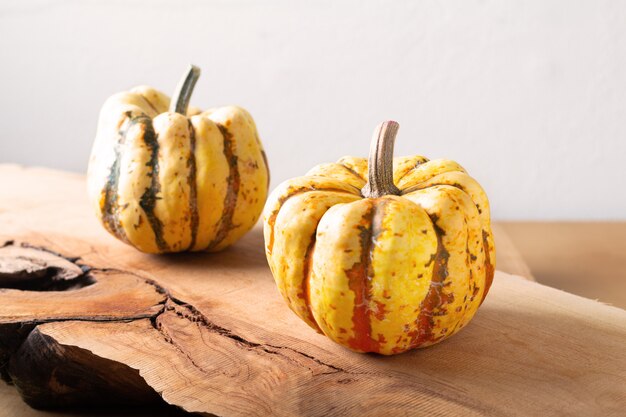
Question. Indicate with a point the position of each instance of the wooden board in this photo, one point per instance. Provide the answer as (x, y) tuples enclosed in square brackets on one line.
[(584, 258), (508, 257), (210, 334)]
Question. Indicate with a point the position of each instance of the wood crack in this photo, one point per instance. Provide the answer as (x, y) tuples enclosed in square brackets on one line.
[(169, 339), (198, 317)]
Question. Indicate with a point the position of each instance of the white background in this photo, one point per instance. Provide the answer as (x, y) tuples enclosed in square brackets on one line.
[(530, 96)]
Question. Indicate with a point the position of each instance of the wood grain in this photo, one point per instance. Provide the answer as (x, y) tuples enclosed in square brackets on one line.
[(222, 341)]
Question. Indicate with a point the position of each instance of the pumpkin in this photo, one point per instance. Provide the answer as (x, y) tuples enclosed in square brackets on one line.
[(164, 177), (382, 256)]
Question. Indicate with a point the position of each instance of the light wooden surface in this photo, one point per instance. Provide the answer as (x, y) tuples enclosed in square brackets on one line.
[(584, 258), (531, 350), (508, 257)]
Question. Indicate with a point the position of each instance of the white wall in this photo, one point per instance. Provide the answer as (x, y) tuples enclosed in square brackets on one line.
[(530, 96)]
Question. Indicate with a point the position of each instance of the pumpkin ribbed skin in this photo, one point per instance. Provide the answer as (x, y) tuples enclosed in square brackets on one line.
[(166, 182), (382, 274)]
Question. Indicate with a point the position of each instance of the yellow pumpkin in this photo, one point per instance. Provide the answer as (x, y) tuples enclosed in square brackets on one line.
[(179, 179), (382, 257)]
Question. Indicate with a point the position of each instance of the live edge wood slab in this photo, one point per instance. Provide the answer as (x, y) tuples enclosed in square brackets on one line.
[(85, 319)]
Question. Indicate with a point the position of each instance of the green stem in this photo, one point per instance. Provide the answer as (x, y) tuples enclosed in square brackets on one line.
[(180, 99)]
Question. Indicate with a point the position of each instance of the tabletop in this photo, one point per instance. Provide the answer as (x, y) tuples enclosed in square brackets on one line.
[(550, 253)]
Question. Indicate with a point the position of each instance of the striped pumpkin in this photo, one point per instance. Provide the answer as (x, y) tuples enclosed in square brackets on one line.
[(378, 267), (170, 181)]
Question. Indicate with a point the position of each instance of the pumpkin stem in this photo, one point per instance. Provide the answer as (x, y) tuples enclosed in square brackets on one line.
[(380, 166), (180, 99)]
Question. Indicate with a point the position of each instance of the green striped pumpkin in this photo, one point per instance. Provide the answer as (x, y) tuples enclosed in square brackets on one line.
[(166, 177)]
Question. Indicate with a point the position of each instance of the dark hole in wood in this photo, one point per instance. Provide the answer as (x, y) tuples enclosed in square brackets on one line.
[(27, 268)]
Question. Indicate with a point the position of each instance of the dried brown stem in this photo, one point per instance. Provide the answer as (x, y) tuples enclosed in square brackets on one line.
[(380, 167)]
